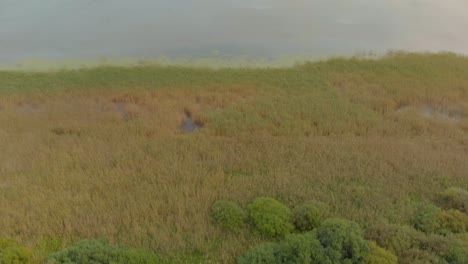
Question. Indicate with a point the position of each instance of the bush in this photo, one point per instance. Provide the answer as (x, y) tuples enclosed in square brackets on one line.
[(101, 252), (436, 244), (454, 198), (335, 241), (453, 221), (343, 241), (12, 253), (307, 217), (44, 248), (412, 245), (395, 238), (457, 255), (426, 218), (417, 256), (270, 217), (463, 238), (228, 215), (262, 254), (379, 255), (446, 247), (299, 248)]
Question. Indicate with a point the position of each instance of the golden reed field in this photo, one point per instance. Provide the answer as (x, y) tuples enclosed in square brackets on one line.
[(106, 152)]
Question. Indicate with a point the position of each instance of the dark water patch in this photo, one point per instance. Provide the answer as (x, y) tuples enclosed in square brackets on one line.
[(188, 124)]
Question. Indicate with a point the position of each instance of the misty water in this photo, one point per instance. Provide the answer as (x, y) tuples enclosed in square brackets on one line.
[(58, 30)]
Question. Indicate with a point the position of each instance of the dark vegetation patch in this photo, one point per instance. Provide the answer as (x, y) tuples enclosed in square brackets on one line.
[(63, 131), (102, 252), (308, 216), (454, 198)]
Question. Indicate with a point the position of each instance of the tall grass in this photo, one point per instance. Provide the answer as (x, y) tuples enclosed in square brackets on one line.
[(350, 133)]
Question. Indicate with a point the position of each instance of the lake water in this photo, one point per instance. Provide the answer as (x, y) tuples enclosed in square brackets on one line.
[(147, 29)]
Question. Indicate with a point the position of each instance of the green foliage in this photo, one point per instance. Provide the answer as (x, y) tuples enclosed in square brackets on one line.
[(343, 241), (270, 217), (395, 238), (429, 218), (336, 241), (447, 247), (44, 248), (457, 255), (307, 217), (417, 256), (301, 248), (454, 198), (453, 221), (380, 255), (102, 252), (262, 254), (462, 238), (437, 244), (412, 245), (297, 248), (12, 253), (228, 215), (426, 218)]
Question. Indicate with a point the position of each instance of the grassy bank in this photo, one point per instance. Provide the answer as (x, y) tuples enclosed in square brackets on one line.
[(99, 152)]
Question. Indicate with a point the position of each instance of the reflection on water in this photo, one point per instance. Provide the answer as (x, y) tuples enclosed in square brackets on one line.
[(93, 29)]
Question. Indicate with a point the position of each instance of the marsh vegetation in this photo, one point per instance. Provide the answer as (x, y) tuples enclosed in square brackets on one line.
[(100, 152)]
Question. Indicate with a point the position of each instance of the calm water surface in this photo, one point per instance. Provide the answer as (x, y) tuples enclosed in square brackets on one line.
[(114, 29)]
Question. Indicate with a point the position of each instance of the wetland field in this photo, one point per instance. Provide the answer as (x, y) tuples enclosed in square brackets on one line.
[(140, 156)]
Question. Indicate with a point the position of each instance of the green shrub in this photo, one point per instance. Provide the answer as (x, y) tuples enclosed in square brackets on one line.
[(44, 248), (139, 256), (262, 254), (457, 255), (395, 238), (301, 248), (454, 198), (462, 238), (307, 217), (12, 253), (453, 221), (379, 255), (436, 244), (343, 241), (270, 217), (298, 248), (102, 252), (412, 246), (418, 256), (228, 215), (426, 218), (449, 248)]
